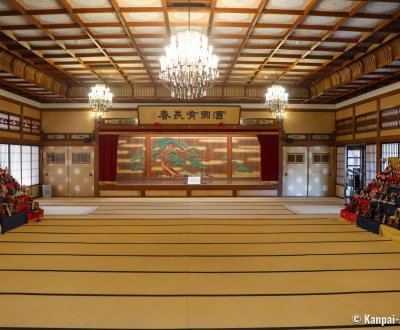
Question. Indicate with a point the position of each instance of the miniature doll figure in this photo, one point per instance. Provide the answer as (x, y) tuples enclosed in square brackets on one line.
[(377, 213), (367, 211), (394, 218), (386, 217)]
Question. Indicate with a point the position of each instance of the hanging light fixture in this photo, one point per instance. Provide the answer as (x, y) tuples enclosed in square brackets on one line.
[(100, 99), (276, 99), (189, 67)]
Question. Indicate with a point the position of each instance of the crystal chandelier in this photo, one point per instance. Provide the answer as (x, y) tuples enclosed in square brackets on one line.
[(100, 99), (277, 99), (189, 67)]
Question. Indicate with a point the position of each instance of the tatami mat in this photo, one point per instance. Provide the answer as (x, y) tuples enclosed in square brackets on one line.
[(281, 271)]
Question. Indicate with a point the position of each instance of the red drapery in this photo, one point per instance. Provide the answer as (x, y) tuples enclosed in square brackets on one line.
[(108, 146), (269, 152)]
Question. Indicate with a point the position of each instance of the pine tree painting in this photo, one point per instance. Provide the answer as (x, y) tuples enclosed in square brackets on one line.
[(173, 155), (240, 167), (137, 163), (170, 153)]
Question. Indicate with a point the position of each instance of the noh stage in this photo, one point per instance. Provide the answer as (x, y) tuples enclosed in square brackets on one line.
[(194, 161)]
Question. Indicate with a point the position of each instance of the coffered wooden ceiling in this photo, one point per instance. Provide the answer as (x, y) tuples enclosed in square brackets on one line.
[(296, 42)]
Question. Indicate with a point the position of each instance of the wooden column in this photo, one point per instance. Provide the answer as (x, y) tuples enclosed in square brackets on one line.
[(229, 167), (281, 137), (96, 162), (148, 156)]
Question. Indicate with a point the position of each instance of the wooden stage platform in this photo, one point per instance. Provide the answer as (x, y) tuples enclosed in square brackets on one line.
[(179, 188)]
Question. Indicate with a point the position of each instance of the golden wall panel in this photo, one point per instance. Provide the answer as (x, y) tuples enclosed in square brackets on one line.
[(10, 107), (253, 91), (339, 191), (345, 113), (365, 135), (212, 193), (143, 91), (9, 135), (306, 122), (390, 101), (390, 132), (32, 113), (255, 114), (32, 137), (366, 107), (344, 137), (234, 91), (246, 154), (67, 121), (121, 114), (215, 91), (35, 191)]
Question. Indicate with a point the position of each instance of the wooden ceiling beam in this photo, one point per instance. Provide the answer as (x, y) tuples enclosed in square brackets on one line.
[(297, 22), (67, 55), (71, 37), (129, 34), (22, 90), (369, 84), (18, 27), (59, 26), (84, 26), (147, 35), (36, 23), (115, 46), (5, 13), (99, 24), (140, 9), (74, 47), (359, 40), (110, 36), (249, 32), (236, 10), (283, 11), (53, 47), (160, 45), (166, 16), (92, 10), (211, 17), (355, 29), (346, 14), (45, 11)]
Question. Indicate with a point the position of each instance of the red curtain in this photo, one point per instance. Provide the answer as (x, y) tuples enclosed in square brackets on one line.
[(108, 146), (269, 149)]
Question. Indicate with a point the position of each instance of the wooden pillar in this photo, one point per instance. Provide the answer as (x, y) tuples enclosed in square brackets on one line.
[(148, 156), (229, 167), (281, 138), (96, 162)]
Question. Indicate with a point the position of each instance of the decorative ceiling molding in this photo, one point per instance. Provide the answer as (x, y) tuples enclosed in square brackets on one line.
[(244, 106), (11, 64), (149, 92), (119, 42), (376, 59)]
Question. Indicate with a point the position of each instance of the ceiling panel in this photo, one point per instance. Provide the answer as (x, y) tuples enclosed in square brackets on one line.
[(76, 41)]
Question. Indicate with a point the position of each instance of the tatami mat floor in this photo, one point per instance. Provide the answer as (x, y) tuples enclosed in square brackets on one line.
[(124, 272)]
